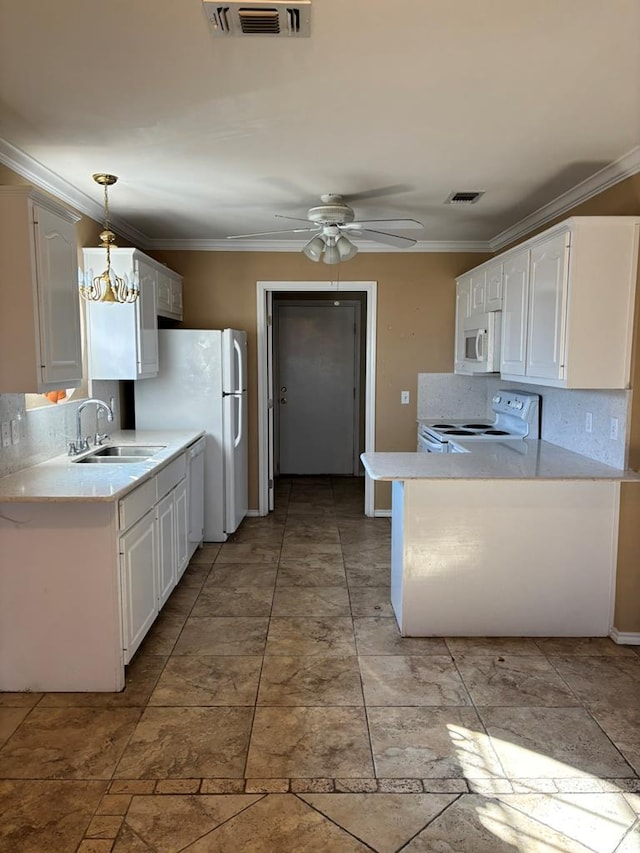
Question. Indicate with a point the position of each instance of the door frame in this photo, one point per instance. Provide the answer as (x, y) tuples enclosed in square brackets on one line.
[(356, 305), (264, 295)]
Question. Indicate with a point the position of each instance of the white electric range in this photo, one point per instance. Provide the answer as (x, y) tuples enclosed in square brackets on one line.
[(517, 416)]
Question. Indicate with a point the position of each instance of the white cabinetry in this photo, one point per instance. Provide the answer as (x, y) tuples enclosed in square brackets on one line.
[(122, 338), (568, 304), (513, 350), (40, 344), (138, 556), (152, 547), (169, 294), (493, 287)]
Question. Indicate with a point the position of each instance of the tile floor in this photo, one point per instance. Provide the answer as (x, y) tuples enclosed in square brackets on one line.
[(273, 707)]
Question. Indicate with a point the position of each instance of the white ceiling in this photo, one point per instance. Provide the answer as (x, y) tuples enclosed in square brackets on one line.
[(415, 98)]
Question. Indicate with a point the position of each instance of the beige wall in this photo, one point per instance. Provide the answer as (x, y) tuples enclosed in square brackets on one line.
[(416, 305)]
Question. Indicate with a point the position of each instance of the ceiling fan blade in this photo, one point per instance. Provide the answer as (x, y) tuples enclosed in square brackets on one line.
[(378, 192), (292, 218), (390, 239), (265, 233), (385, 223)]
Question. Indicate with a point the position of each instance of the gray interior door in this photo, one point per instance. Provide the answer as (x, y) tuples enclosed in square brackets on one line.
[(315, 394)]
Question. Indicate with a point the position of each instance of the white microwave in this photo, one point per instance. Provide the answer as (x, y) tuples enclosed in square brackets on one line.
[(479, 347)]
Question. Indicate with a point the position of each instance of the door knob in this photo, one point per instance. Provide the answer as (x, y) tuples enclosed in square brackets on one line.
[(284, 389), (283, 400)]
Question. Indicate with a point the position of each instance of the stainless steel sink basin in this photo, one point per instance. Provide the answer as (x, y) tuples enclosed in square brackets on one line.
[(118, 460), (121, 454), (129, 450)]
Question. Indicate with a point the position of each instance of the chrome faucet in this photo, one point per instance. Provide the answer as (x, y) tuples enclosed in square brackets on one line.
[(81, 444)]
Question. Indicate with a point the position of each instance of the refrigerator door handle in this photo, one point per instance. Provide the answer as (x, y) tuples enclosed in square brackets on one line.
[(240, 363), (238, 437)]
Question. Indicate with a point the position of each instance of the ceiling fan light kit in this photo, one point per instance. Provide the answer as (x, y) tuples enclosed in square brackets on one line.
[(333, 221)]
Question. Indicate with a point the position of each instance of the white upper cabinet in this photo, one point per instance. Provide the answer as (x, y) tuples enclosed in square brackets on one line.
[(515, 275), (40, 338), (169, 294), (493, 287), (569, 297), (122, 338)]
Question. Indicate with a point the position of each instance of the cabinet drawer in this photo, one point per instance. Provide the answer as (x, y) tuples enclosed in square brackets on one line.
[(136, 503), (171, 475)]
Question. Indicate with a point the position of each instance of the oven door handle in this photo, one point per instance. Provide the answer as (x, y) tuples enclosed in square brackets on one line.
[(429, 445)]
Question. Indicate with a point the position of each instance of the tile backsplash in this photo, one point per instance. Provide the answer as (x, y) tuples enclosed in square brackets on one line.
[(564, 412), (45, 433)]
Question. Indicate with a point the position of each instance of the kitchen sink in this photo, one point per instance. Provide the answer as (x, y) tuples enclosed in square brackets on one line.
[(121, 454), (118, 460), (129, 450)]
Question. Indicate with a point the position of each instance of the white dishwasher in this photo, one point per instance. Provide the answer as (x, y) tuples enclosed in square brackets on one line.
[(195, 475)]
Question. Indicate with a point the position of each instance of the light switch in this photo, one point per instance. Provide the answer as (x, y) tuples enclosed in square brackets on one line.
[(6, 434), (404, 398)]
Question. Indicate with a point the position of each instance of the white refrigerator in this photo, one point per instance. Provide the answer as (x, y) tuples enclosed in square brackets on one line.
[(202, 384)]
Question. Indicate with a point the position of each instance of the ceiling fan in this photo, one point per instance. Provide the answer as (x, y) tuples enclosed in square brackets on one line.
[(333, 222)]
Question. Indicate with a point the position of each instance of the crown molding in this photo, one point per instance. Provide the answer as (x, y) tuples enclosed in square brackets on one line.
[(39, 175), (609, 176), (297, 246)]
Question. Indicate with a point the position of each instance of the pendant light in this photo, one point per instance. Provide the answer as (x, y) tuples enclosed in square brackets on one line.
[(107, 287)]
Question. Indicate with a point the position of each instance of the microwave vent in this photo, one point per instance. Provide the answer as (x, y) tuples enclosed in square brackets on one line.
[(275, 18), (464, 198)]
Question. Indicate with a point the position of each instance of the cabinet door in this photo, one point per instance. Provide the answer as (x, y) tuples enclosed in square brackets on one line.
[(58, 300), (463, 302), (548, 278), (478, 292), (147, 326), (493, 294), (515, 299), (163, 294), (166, 518), (182, 527), (138, 557), (176, 297)]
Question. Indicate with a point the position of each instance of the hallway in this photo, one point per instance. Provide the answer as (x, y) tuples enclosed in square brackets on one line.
[(274, 708)]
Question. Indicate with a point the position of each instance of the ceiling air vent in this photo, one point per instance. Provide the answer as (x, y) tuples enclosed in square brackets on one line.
[(463, 198), (276, 18)]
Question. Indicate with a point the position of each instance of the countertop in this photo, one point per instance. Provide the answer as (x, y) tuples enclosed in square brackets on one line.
[(493, 460), (62, 479)]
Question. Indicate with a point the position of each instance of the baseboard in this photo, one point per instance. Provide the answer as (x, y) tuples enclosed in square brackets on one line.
[(625, 638), (382, 513), (253, 513)]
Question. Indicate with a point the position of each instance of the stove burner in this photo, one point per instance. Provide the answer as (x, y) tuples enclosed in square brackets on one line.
[(442, 426), (458, 432), (496, 432)]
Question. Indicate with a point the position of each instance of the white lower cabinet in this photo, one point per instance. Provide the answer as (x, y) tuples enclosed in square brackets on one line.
[(166, 519), (181, 501), (138, 560), (152, 548)]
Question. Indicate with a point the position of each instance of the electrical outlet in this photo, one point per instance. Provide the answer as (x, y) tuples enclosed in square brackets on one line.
[(588, 422), (6, 434), (613, 429), (404, 398), (15, 431)]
